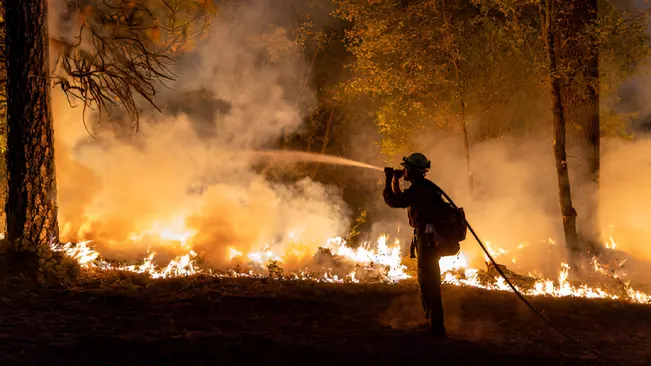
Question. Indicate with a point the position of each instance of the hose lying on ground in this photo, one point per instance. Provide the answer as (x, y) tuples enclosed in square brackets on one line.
[(524, 300)]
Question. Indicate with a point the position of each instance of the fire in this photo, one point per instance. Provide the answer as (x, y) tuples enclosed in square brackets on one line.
[(89, 258), (233, 253), (384, 257)]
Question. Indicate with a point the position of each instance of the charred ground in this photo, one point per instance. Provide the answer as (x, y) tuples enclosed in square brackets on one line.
[(125, 319)]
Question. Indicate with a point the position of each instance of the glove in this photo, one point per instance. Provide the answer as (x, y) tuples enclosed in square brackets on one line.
[(389, 172), (397, 173)]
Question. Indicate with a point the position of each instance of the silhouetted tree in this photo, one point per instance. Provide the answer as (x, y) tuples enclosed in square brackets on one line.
[(31, 202), (120, 54)]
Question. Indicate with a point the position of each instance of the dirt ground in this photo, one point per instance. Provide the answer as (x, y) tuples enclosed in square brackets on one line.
[(211, 321)]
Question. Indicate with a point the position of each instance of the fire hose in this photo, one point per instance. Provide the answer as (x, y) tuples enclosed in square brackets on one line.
[(522, 298)]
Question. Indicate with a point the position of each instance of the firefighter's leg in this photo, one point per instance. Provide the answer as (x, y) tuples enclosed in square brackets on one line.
[(437, 323), (412, 248), (422, 275), (425, 274), (429, 278)]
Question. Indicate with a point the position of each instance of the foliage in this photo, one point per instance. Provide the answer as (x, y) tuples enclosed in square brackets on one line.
[(407, 53), (625, 45), (620, 38), (420, 59), (354, 232), (274, 269)]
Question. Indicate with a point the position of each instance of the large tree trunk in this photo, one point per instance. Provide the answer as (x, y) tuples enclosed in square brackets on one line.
[(579, 55), (559, 126), (31, 204)]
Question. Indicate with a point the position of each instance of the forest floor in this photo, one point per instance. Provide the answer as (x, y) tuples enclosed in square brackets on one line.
[(125, 319)]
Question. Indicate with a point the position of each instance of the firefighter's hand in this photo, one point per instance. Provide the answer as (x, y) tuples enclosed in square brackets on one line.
[(389, 172), (398, 173)]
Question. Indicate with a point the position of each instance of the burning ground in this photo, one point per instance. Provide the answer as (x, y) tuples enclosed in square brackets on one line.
[(184, 195), (192, 251), (335, 261), (124, 318), (343, 305)]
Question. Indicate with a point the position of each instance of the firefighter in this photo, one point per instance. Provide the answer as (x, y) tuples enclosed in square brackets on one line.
[(424, 207)]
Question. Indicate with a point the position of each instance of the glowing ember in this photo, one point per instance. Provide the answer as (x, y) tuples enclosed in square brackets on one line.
[(384, 256)]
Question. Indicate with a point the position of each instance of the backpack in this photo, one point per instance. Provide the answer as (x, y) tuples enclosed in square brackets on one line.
[(454, 226), (450, 229)]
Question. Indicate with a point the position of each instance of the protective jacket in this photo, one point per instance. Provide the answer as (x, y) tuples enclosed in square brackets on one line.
[(423, 201)]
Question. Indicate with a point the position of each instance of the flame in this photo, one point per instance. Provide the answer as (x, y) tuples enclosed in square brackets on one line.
[(383, 256), (233, 253), (89, 258)]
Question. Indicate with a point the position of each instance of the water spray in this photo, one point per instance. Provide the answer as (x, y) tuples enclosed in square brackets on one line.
[(292, 156)]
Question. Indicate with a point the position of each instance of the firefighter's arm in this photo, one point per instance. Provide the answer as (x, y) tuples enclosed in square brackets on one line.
[(393, 195), (395, 185)]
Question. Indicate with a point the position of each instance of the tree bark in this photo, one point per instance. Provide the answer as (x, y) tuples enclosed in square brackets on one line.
[(580, 95), (326, 140), (559, 140), (464, 123), (593, 130), (31, 203), (454, 54)]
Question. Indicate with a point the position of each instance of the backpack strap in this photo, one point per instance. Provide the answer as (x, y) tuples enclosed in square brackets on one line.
[(436, 188)]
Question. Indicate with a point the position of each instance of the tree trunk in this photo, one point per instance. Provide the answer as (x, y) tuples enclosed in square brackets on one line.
[(580, 95), (454, 53), (559, 127), (326, 140), (593, 131), (464, 123), (31, 204)]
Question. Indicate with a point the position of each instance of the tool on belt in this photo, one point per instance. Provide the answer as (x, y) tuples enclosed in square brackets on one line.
[(443, 247)]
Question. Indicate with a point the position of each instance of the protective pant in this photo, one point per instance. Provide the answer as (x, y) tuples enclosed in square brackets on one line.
[(429, 279)]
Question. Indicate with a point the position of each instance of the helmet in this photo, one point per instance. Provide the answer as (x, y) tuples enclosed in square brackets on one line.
[(416, 161)]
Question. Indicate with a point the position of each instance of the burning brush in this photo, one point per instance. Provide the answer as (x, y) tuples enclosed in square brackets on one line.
[(335, 261)]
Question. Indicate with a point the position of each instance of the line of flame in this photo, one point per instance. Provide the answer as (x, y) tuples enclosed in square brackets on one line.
[(454, 270)]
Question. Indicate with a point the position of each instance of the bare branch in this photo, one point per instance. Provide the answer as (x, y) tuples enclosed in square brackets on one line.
[(123, 52)]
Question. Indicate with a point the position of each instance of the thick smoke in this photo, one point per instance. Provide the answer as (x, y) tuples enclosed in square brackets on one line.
[(513, 200), (626, 195), (515, 206), (188, 167)]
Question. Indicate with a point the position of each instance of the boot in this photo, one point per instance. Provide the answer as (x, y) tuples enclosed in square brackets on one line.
[(437, 329)]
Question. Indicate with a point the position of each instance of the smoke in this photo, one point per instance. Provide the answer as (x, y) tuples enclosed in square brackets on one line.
[(514, 204), (625, 194), (186, 173), (513, 195)]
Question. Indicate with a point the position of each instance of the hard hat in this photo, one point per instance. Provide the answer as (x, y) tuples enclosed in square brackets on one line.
[(416, 161)]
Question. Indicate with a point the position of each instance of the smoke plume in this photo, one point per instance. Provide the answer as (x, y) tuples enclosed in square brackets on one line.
[(186, 173)]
